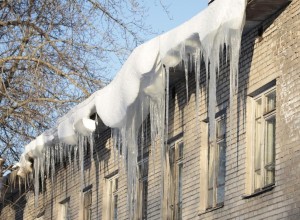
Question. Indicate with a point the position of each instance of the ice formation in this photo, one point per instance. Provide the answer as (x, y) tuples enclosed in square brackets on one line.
[(140, 88)]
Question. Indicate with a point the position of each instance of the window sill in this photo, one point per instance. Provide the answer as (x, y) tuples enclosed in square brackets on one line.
[(263, 190), (211, 209)]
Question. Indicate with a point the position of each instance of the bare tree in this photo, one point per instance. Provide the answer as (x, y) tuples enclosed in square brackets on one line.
[(54, 54)]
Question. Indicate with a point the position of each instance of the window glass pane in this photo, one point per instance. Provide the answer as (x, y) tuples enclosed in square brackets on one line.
[(270, 150), (210, 197), (222, 163), (210, 177), (221, 129), (270, 101), (175, 179), (113, 198), (211, 167), (145, 169), (257, 179), (115, 207), (257, 155), (180, 150), (171, 161), (143, 190), (264, 140), (220, 194)]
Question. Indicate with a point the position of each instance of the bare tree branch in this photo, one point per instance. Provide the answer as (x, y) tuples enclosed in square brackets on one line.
[(54, 54)]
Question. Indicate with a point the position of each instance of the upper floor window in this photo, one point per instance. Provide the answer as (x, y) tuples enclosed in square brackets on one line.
[(143, 164), (263, 139), (87, 205), (110, 203), (143, 189), (217, 165), (63, 209), (175, 178)]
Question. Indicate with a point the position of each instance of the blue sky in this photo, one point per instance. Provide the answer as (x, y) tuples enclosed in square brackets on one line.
[(179, 12)]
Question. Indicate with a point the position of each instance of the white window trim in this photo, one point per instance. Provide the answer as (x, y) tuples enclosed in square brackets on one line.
[(173, 199), (140, 190), (216, 157), (203, 166), (250, 141), (171, 212), (63, 209), (204, 160), (108, 199)]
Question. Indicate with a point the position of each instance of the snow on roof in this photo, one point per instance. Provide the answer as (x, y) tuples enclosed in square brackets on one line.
[(141, 73)]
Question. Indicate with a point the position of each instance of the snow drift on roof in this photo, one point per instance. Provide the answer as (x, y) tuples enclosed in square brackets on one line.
[(125, 101)]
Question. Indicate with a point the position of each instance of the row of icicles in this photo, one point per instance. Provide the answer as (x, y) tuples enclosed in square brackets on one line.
[(125, 139)]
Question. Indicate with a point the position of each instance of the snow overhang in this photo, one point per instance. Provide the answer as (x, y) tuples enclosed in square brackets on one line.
[(259, 10), (142, 77)]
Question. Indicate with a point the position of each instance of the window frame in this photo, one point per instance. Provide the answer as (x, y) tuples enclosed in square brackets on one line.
[(214, 146), (143, 187), (265, 116), (110, 198), (87, 208), (175, 194), (64, 211)]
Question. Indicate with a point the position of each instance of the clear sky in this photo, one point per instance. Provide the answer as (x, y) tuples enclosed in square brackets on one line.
[(179, 12)]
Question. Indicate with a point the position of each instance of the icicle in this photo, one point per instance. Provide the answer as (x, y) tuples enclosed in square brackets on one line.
[(124, 148), (115, 145), (191, 62), (75, 154), (91, 141), (131, 137), (81, 159), (197, 97), (119, 147), (52, 162), (125, 135), (167, 104), (186, 72), (61, 152), (234, 52), (71, 161), (212, 101), (42, 172), (48, 161), (153, 132), (164, 136), (36, 181)]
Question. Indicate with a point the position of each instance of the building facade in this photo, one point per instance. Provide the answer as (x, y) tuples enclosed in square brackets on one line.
[(248, 168)]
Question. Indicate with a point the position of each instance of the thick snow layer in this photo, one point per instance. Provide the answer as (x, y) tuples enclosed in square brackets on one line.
[(142, 85)]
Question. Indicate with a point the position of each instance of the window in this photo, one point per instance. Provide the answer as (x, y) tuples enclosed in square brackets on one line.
[(217, 166), (110, 203), (143, 189), (63, 209), (175, 153), (87, 205), (263, 139)]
